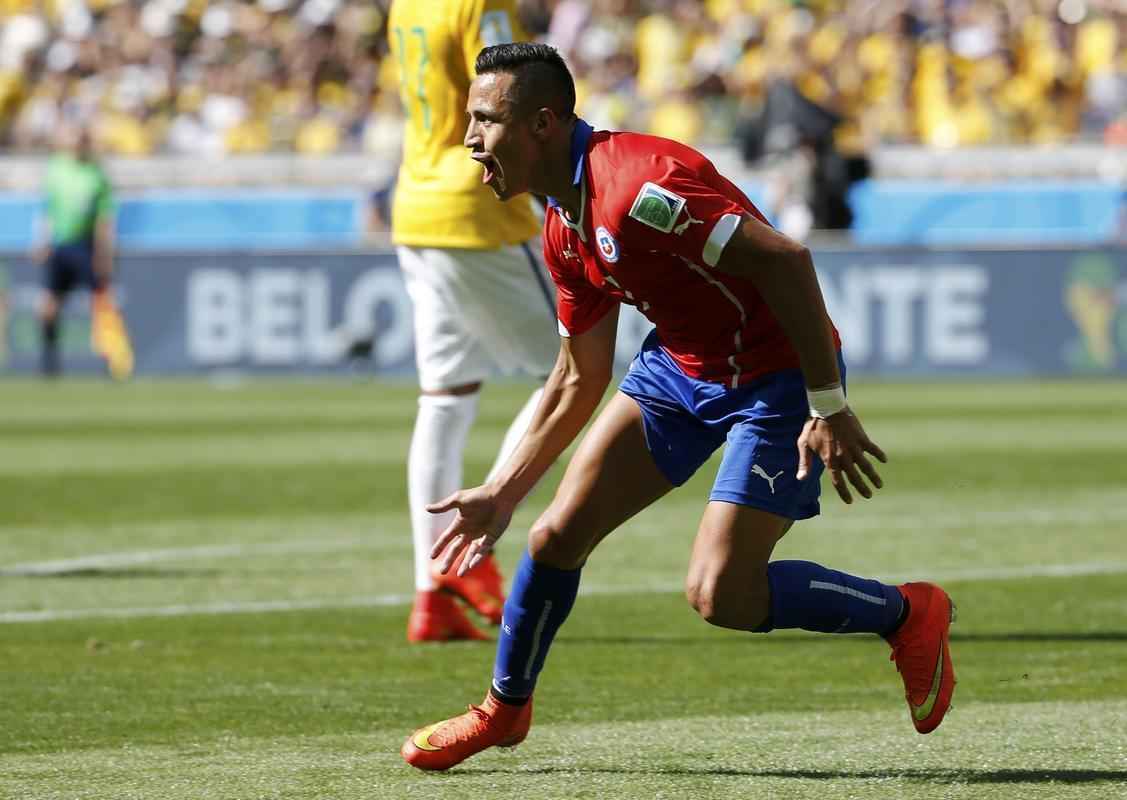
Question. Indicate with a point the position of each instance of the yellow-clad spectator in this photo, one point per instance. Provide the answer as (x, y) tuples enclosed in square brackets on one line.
[(318, 136), (662, 47), (945, 75), (252, 135), (1096, 43), (677, 117), (124, 134)]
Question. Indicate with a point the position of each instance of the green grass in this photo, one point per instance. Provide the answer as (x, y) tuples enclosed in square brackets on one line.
[(131, 516)]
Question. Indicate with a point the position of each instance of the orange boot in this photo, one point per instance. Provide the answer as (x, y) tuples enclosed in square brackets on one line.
[(922, 654), (450, 742), (482, 588), (436, 617)]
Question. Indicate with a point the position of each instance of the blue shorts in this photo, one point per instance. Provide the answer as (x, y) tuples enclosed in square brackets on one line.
[(71, 265), (686, 419)]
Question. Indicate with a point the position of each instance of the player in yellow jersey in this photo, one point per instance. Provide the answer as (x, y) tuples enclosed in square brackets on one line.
[(483, 301)]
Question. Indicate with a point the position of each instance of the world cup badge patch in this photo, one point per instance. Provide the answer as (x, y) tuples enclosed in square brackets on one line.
[(657, 207), (607, 245)]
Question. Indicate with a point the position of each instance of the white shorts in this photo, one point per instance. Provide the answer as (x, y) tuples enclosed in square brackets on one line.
[(479, 313)]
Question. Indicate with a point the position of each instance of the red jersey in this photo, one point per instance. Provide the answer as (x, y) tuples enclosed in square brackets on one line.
[(655, 217)]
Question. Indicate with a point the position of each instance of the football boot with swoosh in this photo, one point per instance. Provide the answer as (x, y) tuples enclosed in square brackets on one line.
[(450, 742), (922, 654), (482, 588), (437, 617)]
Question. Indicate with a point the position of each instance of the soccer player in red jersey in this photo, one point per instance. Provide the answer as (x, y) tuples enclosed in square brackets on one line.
[(743, 354)]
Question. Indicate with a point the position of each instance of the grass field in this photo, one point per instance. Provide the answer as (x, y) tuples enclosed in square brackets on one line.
[(203, 593)]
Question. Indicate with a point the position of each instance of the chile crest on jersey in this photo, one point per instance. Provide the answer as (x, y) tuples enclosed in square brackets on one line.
[(608, 247)]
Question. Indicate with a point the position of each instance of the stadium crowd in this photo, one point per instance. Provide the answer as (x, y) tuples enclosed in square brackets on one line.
[(252, 76)]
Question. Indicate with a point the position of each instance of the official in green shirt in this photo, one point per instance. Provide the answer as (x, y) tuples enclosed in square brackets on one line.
[(77, 242)]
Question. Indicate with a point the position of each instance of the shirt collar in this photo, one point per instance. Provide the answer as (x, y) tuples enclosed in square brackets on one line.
[(580, 139)]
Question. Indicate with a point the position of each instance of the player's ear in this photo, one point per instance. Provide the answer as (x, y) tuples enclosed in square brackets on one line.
[(543, 122)]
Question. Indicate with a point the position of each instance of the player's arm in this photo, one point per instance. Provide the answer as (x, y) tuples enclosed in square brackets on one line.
[(41, 240), (572, 392), (105, 239), (782, 271), (104, 244)]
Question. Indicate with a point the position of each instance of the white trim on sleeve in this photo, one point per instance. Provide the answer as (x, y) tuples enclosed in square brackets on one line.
[(717, 240), (563, 329)]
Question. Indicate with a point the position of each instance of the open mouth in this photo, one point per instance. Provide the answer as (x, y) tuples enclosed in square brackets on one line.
[(490, 169)]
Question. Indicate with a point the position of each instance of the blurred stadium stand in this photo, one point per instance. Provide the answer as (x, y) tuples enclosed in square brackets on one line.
[(206, 77), (908, 121)]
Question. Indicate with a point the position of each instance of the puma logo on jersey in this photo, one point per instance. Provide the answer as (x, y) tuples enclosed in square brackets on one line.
[(690, 221), (762, 473)]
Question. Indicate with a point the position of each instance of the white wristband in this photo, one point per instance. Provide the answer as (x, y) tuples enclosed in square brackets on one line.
[(826, 402)]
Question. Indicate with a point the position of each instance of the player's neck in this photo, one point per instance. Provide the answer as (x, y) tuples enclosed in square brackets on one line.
[(571, 201), (559, 174)]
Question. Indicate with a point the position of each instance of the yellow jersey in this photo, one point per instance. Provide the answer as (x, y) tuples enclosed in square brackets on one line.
[(440, 200)]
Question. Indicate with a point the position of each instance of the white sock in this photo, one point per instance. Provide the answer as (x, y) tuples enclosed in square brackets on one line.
[(516, 430), (434, 470)]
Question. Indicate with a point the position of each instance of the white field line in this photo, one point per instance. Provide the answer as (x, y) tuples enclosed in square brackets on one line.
[(379, 600), (925, 521), (206, 609), (838, 522), (135, 558)]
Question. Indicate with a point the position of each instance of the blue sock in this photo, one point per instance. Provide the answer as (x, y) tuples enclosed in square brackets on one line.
[(538, 604), (809, 596)]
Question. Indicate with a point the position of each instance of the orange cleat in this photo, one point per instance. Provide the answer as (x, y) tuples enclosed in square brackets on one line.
[(922, 654), (450, 742), (482, 588), (436, 617)]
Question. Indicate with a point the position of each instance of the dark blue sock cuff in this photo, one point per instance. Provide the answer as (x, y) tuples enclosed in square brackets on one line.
[(812, 597), (539, 602)]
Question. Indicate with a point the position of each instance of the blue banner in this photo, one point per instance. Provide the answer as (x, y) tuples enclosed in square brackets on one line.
[(997, 312), (933, 213), (900, 312)]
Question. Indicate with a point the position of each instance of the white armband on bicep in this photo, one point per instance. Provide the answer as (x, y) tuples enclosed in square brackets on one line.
[(717, 240)]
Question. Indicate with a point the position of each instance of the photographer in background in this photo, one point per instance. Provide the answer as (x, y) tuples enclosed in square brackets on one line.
[(813, 177)]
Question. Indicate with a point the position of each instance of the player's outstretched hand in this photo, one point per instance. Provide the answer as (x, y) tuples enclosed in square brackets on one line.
[(480, 521), (841, 443)]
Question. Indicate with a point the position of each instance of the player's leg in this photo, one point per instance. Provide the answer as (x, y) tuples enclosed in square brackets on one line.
[(58, 280), (733, 583), (450, 367), (49, 363), (508, 310), (611, 477)]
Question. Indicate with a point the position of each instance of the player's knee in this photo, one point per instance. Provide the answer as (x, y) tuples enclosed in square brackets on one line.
[(556, 545), (713, 605), (48, 310), (701, 597), (727, 603)]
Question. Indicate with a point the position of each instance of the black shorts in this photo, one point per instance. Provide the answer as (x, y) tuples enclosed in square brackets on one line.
[(71, 265)]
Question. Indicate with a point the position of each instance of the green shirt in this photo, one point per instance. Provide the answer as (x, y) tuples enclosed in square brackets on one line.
[(78, 194)]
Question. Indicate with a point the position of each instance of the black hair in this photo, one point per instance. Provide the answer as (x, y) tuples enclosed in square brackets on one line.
[(543, 78)]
